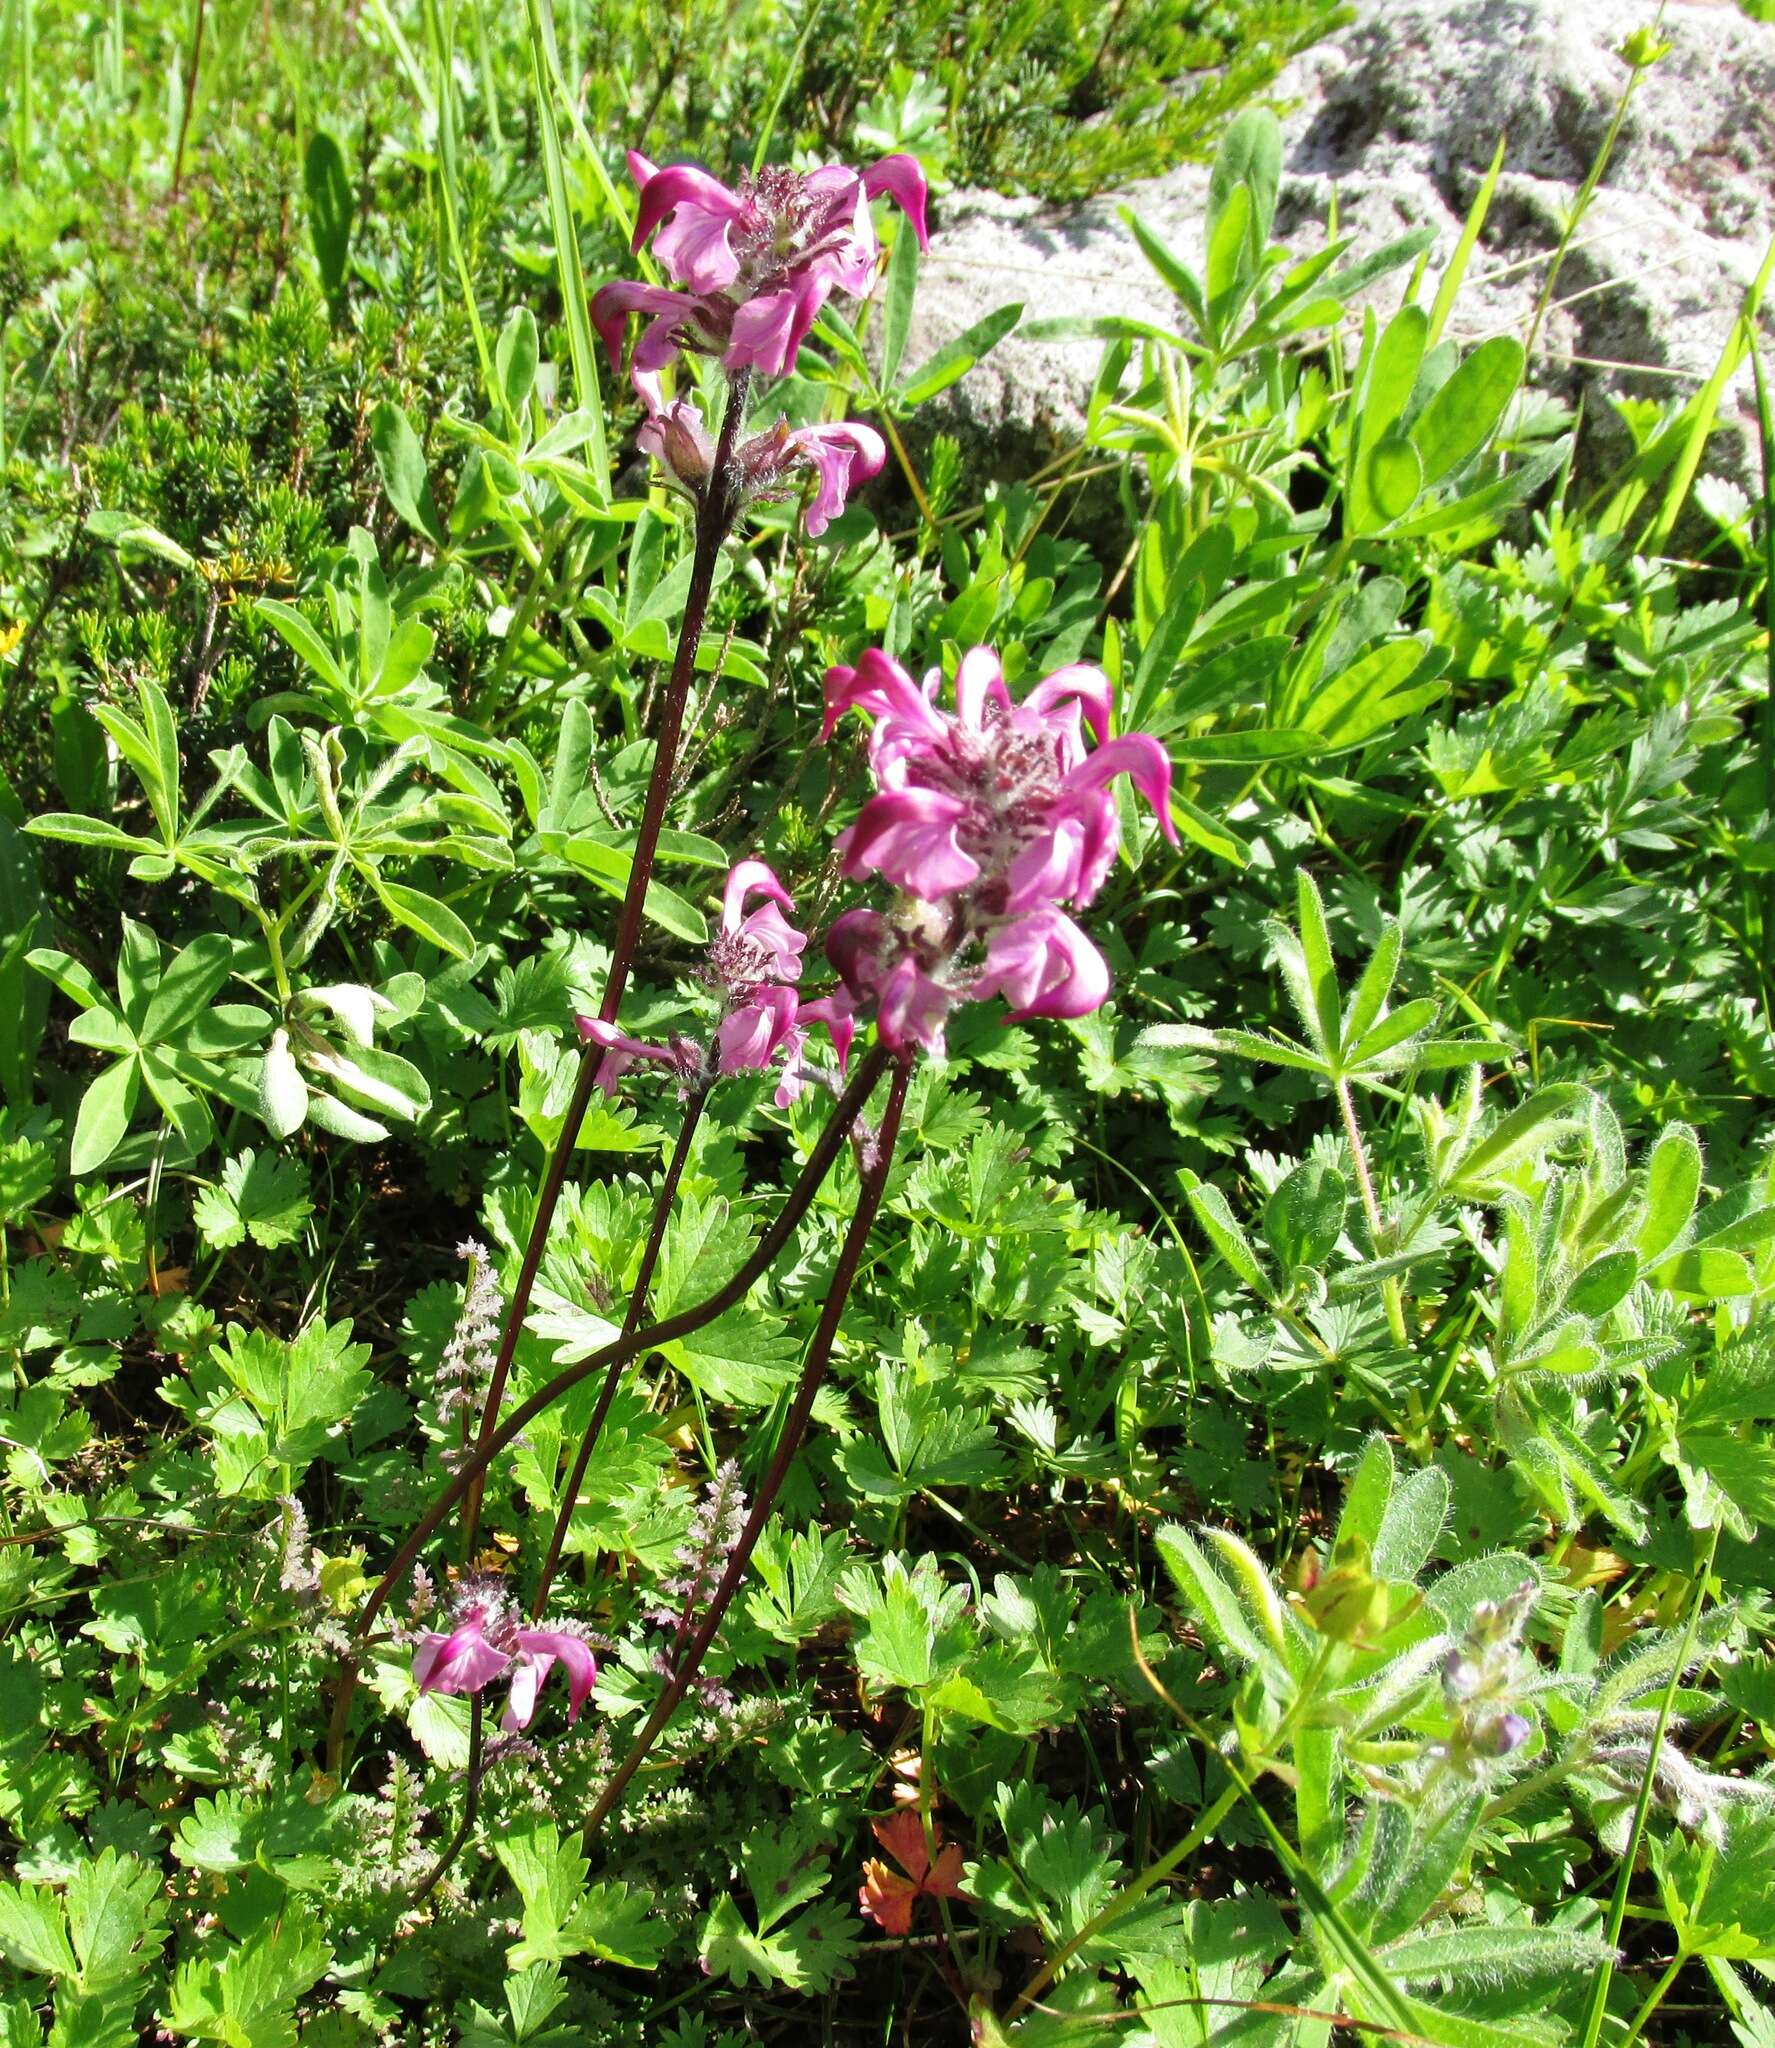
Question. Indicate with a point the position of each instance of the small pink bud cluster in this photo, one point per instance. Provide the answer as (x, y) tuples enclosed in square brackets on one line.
[(766, 465), (756, 264), (988, 820), (487, 1643), (754, 962)]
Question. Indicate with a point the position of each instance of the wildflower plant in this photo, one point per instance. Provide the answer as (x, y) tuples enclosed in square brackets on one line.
[(1106, 1361)]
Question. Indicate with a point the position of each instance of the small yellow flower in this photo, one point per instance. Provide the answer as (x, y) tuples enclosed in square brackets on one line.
[(10, 636)]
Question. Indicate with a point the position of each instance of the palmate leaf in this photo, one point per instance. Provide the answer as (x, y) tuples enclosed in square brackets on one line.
[(794, 1598), (264, 1198), (809, 1954)]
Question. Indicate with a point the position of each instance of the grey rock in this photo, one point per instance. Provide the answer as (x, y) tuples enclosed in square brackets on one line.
[(1396, 118)]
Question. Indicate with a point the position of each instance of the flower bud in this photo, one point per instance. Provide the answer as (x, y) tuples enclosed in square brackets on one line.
[(675, 437)]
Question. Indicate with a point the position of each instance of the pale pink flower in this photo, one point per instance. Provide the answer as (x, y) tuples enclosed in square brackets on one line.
[(486, 1645)]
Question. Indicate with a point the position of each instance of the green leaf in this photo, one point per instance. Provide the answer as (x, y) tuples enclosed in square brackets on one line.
[(400, 462), (103, 1119), (1374, 692), (1412, 1524), (302, 640), (283, 1094), (187, 987), (1461, 417), (900, 290), (515, 358), (34, 1931), (1395, 476), (1250, 156), (425, 915), (956, 358), (265, 1198), (1673, 1186), (1223, 1231), (125, 530), (328, 186)]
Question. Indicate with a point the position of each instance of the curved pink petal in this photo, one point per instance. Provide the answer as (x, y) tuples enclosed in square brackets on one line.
[(1078, 682), (1053, 867), (538, 1651), (909, 835), (462, 1661), (696, 249), (903, 181), (748, 1038), (641, 168), (838, 1013), (979, 681), (843, 456), (613, 305), (911, 1008), (780, 940), (1138, 756), (682, 185), (1044, 966), (750, 878), (768, 331), (595, 1031), (880, 686)]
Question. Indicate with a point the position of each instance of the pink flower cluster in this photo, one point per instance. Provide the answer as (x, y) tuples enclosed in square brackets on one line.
[(756, 263), (988, 819), (753, 962), (488, 1643)]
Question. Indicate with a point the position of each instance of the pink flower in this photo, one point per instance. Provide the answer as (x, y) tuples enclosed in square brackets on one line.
[(1043, 966), (879, 961), (989, 819), (995, 788), (757, 261), (768, 465), (462, 1661), (754, 960), (466, 1660), (762, 941), (842, 457), (749, 1037)]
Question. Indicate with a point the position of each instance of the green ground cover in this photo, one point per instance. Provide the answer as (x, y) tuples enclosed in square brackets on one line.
[(1277, 1549)]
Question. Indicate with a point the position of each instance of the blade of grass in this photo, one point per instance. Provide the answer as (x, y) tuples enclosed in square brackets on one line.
[(441, 29), (789, 71), (1705, 408), (1456, 272), (587, 390), (1599, 1990), (1766, 722)]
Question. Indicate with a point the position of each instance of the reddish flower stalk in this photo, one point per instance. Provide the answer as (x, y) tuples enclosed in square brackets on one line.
[(813, 1373), (717, 508), (765, 1254), (656, 1237)]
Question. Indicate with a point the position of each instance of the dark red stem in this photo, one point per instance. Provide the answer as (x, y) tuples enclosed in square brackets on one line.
[(656, 1237), (813, 1374), (716, 511), (764, 1255)]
